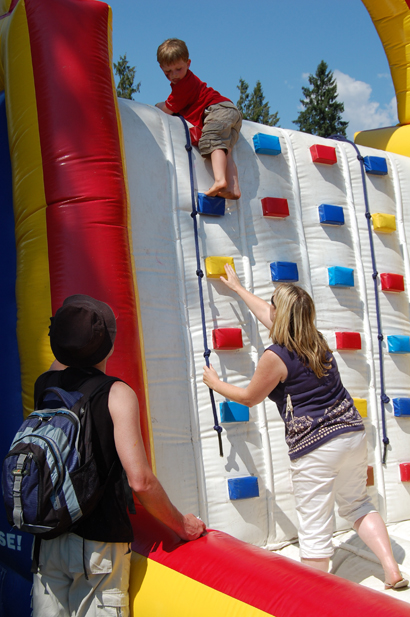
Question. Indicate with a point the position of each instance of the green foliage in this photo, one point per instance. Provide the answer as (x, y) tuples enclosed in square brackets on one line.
[(253, 106), (322, 115), (126, 73)]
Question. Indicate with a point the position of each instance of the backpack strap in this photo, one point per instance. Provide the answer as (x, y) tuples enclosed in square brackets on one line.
[(73, 399), (18, 473), (52, 379), (91, 387), (35, 557)]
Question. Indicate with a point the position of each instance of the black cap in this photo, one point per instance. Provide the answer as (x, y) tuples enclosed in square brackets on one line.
[(82, 332)]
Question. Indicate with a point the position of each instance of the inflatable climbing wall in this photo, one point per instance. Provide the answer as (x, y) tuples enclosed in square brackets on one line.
[(314, 211), (69, 227)]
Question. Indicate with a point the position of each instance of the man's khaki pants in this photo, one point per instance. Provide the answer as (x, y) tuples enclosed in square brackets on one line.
[(81, 578)]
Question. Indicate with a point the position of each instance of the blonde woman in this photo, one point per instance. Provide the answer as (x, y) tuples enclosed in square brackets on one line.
[(324, 431)]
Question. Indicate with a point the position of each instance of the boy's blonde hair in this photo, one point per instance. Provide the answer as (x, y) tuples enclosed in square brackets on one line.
[(294, 327), (171, 51)]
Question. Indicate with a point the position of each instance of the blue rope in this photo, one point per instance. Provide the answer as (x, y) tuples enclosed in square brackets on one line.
[(384, 399), (200, 274)]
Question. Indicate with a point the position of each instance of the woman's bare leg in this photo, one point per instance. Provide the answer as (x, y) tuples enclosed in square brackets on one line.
[(321, 563), (372, 530)]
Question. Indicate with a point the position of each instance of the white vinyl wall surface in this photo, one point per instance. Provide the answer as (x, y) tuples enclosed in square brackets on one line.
[(186, 446)]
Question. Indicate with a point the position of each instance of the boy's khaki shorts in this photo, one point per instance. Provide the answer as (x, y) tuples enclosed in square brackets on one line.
[(222, 123)]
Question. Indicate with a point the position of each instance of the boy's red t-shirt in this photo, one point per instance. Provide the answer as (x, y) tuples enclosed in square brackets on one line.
[(190, 97)]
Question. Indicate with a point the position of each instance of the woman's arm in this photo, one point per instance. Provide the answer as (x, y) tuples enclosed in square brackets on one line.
[(259, 307), (269, 372)]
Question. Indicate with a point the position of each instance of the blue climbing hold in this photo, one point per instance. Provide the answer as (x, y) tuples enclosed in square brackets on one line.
[(284, 271), (243, 488), (266, 144), (341, 277), (401, 407), (233, 412), (375, 165), (398, 343), (331, 215), (213, 206)]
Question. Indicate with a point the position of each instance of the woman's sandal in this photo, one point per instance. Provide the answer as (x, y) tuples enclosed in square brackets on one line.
[(401, 584)]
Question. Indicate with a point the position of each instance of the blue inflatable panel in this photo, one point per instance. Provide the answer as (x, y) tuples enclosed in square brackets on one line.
[(15, 593), (266, 144), (284, 271), (233, 412), (15, 547), (401, 407), (398, 343), (243, 488), (214, 206), (331, 215), (375, 165), (341, 277), (9, 358)]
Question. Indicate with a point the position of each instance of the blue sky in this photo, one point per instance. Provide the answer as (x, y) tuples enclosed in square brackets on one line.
[(278, 42)]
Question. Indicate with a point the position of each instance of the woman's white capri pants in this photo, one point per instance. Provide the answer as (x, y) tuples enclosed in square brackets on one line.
[(334, 472)]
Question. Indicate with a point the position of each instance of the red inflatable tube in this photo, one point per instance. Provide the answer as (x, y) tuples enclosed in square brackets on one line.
[(87, 227), (271, 583)]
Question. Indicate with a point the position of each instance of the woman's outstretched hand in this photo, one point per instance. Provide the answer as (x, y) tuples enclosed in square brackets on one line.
[(210, 377), (232, 281)]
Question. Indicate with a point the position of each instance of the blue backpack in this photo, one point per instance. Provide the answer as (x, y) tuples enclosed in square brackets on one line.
[(50, 478)]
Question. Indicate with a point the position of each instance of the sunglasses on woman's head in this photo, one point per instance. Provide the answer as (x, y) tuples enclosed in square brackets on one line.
[(272, 302)]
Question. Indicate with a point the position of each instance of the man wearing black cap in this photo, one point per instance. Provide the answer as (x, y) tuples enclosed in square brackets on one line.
[(86, 573)]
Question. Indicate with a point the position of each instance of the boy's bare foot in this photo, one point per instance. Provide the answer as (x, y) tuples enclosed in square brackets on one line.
[(215, 189), (229, 194)]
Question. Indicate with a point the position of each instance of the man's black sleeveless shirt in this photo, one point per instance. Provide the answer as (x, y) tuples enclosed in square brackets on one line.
[(109, 522)]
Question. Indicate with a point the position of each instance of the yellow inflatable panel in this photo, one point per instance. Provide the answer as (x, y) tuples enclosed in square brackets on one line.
[(392, 139), (158, 590), (392, 22), (32, 284), (391, 19)]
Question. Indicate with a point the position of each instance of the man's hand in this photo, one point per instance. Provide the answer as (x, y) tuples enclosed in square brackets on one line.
[(193, 527)]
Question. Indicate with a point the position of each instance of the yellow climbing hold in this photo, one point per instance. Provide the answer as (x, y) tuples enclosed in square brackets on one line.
[(384, 223), (215, 266), (361, 406)]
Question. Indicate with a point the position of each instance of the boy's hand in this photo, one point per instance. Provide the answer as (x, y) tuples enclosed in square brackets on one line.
[(162, 106), (193, 527), (232, 281)]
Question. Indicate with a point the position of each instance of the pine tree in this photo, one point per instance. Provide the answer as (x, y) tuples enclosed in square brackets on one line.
[(253, 106), (243, 101), (322, 115), (126, 73)]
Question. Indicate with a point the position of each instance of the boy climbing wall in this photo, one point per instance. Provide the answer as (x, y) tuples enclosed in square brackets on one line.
[(202, 106)]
